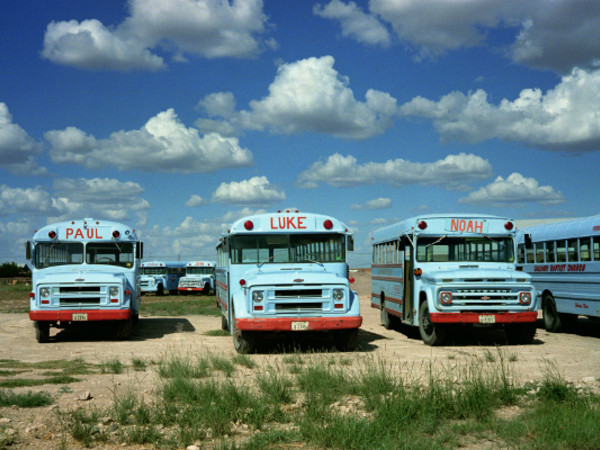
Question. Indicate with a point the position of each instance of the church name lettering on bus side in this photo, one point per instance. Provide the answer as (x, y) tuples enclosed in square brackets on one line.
[(287, 223), (78, 233), (469, 226), (560, 268)]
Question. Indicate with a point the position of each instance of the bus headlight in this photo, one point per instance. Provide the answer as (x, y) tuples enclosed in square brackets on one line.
[(446, 297), (44, 292), (338, 294), (525, 298), (258, 296), (113, 291)]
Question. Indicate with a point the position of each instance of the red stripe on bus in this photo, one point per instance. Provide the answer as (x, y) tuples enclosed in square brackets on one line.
[(389, 299), (473, 317), (92, 315), (397, 279), (285, 323), (398, 265)]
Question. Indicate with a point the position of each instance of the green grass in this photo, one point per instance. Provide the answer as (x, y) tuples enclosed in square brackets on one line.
[(112, 366), (174, 305), (25, 400), (325, 403), (14, 299), (217, 333)]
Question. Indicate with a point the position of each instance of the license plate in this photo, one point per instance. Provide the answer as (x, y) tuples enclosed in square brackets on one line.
[(487, 319), (299, 326), (80, 316)]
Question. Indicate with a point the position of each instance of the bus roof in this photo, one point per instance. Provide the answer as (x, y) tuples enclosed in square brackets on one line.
[(586, 226), (201, 264), (449, 223), (287, 222), (85, 230), (163, 264)]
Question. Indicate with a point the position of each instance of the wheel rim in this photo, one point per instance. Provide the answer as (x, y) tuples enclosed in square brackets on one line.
[(427, 325)]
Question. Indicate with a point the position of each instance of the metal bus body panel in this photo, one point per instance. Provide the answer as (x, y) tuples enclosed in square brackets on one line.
[(573, 284), (74, 286), (478, 288), (153, 282), (196, 282)]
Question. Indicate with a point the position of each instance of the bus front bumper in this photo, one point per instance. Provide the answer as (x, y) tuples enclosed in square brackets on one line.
[(299, 323), (484, 317), (80, 315)]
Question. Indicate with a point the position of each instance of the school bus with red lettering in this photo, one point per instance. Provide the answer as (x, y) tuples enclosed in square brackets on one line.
[(441, 271), (84, 271), (286, 272)]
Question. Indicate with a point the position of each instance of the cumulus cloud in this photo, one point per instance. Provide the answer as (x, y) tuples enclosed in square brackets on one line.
[(564, 118), (163, 144), (558, 35), (255, 191), (30, 201), (355, 23), (515, 190), (452, 172), (377, 203), (195, 200), (17, 148), (209, 28), (309, 96)]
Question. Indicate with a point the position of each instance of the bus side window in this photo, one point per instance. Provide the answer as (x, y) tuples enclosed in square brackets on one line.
[(539, 252), (584, 249), (521, 253), (561, 251), (572, 250), (596, 244), (550, 257), (530, 255)]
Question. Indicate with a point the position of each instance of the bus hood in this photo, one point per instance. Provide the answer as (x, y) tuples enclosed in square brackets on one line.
[(473, 273), (261, 277), (78, 277)]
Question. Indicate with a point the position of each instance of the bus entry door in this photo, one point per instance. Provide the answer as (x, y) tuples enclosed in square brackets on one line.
[(408, 284)]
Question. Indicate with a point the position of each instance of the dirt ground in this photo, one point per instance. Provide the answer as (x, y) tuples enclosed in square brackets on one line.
[(574, 356)]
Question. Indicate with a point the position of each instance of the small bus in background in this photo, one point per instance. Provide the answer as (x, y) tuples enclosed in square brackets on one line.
[(83, 271), (443, 270), (286, 271), (161, 276), (563, 259), (199, 278)]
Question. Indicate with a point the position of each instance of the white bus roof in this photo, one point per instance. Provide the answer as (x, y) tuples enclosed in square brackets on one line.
[(85, 230), (586, 226), (201, 264), (288, 222), (163, 264), (437, 224)]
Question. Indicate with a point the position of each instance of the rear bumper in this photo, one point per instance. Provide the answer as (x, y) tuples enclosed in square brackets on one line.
[(285, 323), (190, 289), (474, 317), (92, 315)]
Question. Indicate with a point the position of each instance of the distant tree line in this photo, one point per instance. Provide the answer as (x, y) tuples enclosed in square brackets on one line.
[(11, 270)]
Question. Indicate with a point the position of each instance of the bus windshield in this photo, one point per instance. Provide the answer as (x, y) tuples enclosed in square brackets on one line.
[(200, 271), (154, 270), (57, 254), (121, 254), (465, 249), (291, 248)]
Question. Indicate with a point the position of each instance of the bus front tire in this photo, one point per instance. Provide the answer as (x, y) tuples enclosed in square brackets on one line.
[(551, 318), (430, 333), (345, 340), (124, 327), (160, 290), (42, 332), (224, 324), (244, 341)]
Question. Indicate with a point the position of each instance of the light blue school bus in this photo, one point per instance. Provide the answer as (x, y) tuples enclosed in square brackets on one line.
[(443, 270), (286, 272), (161, 276), (563, 259), (199, 278), (84, 271)]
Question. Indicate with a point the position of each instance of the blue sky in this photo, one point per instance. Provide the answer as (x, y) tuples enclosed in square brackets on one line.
[(180, 116)]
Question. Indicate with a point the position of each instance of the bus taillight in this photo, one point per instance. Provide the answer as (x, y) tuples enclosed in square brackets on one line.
[(248, 225), (351, 280)]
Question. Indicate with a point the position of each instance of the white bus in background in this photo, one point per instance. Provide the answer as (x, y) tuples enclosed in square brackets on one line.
[(199, 278), (283, 272), (83, 271), (443, 270), (563, 259), (161, 276)]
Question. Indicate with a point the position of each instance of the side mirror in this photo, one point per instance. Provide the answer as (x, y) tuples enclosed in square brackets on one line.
[(139, 250), (350, 242), (28, 250)]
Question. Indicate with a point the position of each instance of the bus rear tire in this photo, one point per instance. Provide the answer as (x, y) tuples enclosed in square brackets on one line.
[(550, 315), (160, 290), (430, 333), (520, 333), (386, 320), (345, 340), (224, 324), (42, 332)]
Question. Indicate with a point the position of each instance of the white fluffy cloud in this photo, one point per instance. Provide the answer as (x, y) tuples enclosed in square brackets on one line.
[(354, 22), (309, 96), (30, 201), (17, 148), (163, 144), (452, 172), (195, 200), (564, 118), (255, 191), (377, 203), (210, 28), (515, 190)]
